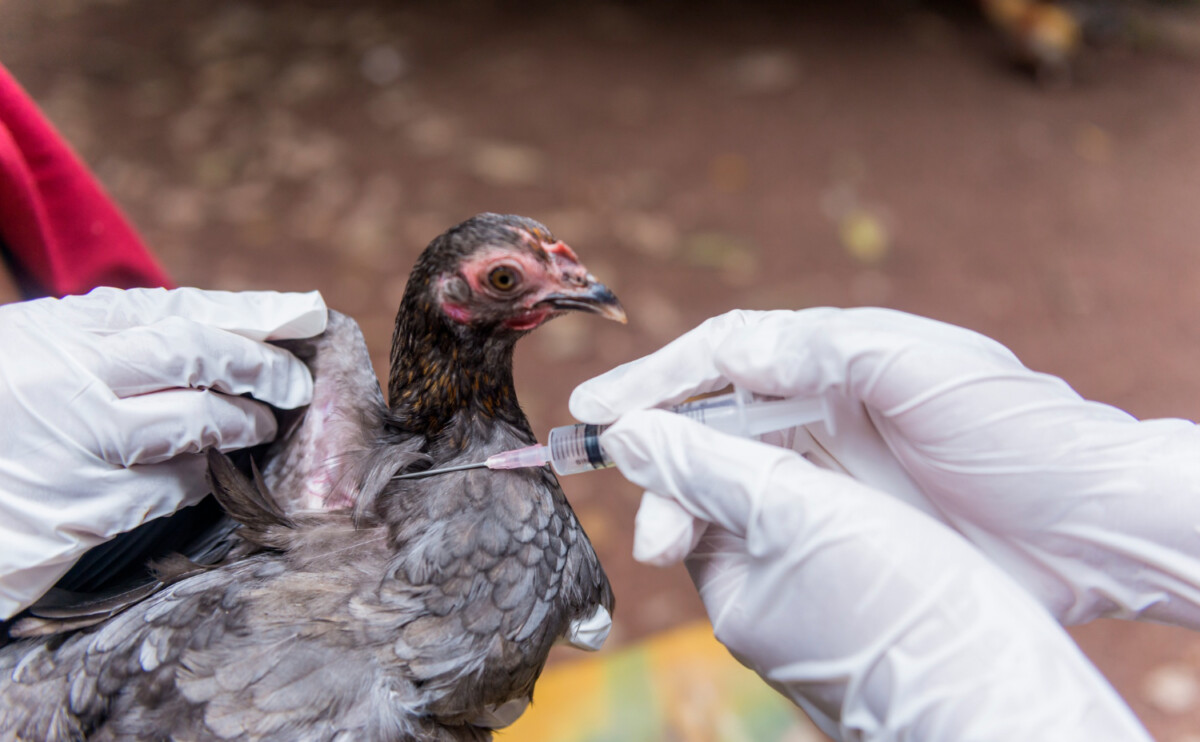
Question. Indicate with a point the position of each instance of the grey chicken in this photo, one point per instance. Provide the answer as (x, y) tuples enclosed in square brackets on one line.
[(352, 605)]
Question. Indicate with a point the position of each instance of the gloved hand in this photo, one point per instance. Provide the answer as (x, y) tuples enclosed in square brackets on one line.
[(882, 623), (1093, 512), (107, 401)]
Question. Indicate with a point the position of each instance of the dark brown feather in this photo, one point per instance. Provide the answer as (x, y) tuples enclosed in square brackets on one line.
[(248, 501)]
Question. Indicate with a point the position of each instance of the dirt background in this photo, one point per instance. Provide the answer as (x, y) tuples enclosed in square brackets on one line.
[(699, 157)]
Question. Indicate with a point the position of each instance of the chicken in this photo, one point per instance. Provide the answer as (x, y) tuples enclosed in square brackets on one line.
[(419, 609), (1042, 35)]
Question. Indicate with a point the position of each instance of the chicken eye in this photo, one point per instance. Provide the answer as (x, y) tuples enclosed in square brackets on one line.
[(503, 278)]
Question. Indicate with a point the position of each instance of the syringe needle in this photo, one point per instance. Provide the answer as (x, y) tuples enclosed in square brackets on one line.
[(519, 458), (444, 470)]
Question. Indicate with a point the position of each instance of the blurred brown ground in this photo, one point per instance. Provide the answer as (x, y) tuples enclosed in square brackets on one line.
[(699, 157)]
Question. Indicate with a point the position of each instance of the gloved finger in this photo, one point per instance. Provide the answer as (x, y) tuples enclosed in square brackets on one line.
[(664, 533), (809, 353), (715, 477), (152, 428), (44, 536), (178, 353), (158, 490), (681, 369), (259, 315)]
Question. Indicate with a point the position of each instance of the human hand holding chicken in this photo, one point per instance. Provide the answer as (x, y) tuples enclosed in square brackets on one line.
[(108, 401)]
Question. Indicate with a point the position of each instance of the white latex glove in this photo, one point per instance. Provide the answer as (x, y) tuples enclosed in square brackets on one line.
[(1092, 511), (882, 623), (107, 401)]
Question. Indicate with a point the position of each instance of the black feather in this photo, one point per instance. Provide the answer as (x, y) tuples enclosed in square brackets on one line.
[(245, 499)]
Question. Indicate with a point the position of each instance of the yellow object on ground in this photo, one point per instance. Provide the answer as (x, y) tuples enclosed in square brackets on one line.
[(681, 686), (864, 236)]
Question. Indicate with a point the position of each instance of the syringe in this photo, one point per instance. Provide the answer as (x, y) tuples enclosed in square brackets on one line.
[(571, 449)]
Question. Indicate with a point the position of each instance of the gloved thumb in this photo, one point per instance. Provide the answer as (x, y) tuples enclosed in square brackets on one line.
[(664, 533), (711, 476)]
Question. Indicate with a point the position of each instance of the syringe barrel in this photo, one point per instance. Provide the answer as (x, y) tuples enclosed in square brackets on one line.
[(576, 448), (751, 415)]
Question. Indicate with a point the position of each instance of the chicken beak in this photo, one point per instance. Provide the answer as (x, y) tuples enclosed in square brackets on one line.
[(576, 289), (593, 297)]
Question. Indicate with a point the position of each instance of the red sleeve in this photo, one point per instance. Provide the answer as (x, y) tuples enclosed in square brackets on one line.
[(59, 228)]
